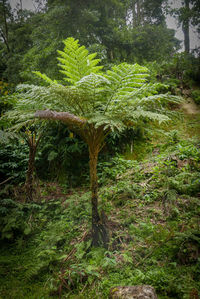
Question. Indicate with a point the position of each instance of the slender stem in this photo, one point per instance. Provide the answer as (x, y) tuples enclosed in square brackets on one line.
[(33, 144), (30, 171), (6, 180)]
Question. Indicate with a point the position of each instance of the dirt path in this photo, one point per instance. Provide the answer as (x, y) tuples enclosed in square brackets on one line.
[(190, 107)]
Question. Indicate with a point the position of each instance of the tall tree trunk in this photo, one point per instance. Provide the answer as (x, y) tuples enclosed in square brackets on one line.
[(4, 33), (99, 230), (139, 12), (186, 27), (134, 15)]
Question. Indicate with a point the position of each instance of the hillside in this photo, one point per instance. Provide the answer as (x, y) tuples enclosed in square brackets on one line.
[(151, 208)]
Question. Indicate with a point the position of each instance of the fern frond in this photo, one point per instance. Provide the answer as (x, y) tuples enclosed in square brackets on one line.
[(148, 115), (125, 76), (125, 79), (111, 123), (158, 99), (45, 77), (76, 62), (96, 89)]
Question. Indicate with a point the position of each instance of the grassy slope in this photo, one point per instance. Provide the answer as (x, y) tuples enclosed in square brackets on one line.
[(153, 216)]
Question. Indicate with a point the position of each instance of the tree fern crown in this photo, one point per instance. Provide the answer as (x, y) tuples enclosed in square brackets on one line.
[(111, 100)]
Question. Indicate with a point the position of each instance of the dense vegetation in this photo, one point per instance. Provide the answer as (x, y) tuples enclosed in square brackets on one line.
[(99, 153)]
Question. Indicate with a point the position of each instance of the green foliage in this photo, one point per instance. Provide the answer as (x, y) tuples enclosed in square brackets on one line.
[(120, 143), (58, 149), (182, 70), (13, 161), (186, 183), (196, 96), (188, 150), (114, 168), (13, 220), (6, 100)]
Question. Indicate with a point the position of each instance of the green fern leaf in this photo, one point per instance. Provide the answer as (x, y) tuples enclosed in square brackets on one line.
[(45, 77), (76, 62)]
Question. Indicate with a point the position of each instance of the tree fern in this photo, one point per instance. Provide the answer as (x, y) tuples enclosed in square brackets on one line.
[(94, 103)]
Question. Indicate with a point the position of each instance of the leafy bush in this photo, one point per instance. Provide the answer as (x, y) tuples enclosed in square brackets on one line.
[(181, 69), (112, 169), (186, 183), (13, 161), (188, 150), (15, 219), (196, 96)]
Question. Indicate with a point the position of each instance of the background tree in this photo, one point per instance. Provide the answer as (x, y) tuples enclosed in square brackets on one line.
[(106, 27), (186, 25), (187, 15), (15, 30), (195, 17), (5, 17), (95, 104), (16, 125)]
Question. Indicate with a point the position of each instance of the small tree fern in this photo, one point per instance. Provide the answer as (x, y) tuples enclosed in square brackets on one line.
[(20, 123), (93, 104)]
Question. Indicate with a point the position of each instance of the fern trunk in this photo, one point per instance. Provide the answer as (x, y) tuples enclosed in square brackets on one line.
[(99, 230)]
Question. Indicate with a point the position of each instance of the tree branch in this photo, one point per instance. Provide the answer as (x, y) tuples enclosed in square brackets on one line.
[(66, 117)]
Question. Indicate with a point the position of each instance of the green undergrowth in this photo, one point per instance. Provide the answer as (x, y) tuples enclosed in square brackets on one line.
[(152, 209)]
